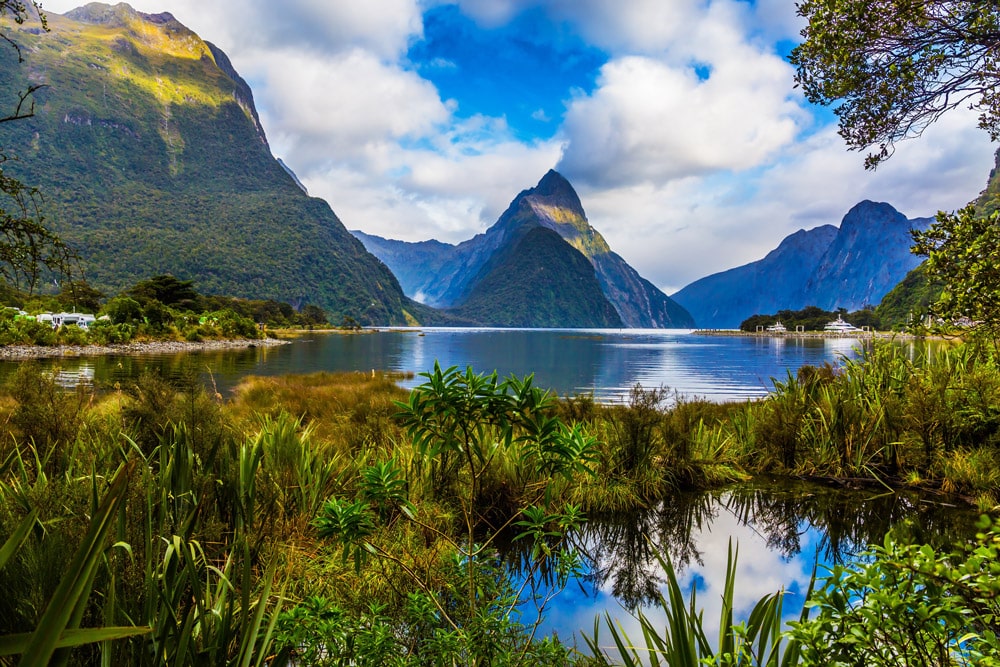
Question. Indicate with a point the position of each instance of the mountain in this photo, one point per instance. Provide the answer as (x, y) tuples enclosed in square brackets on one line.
[(868, 257), (447, 276), (147, 147), (539, 280), (850, 267), (414, 264), (723, 300)]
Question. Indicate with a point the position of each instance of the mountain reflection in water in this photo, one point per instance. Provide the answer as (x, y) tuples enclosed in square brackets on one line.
[(606, 363)]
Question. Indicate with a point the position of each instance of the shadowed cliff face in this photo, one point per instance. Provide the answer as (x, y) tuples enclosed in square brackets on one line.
[(445, 277), (849, 267), (147, 147)]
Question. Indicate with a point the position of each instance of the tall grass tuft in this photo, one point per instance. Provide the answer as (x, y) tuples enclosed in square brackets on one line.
[(683, 642)]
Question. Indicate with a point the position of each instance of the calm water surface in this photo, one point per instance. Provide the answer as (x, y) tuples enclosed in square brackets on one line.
[(781, 531), (568, 361)]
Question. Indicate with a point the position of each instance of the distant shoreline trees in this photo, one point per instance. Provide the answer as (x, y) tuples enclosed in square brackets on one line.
[(811, 318)]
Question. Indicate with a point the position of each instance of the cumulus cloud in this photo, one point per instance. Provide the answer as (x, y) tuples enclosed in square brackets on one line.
[(383, 27), (648, 121), (343, 107)]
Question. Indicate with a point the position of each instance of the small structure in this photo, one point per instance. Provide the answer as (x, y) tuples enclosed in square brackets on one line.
[(82, 320)]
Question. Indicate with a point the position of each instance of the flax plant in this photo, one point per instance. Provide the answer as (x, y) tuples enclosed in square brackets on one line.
[(683, 642)]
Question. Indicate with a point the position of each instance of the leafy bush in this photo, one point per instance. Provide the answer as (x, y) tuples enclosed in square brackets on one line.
[(907, 604), (46, 414), (105, 332)]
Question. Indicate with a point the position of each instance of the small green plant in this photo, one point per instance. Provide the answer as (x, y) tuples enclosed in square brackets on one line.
[(684, 643), (463, 428), (907, 604)]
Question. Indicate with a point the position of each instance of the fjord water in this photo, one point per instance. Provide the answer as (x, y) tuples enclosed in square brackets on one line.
[(606, 363)]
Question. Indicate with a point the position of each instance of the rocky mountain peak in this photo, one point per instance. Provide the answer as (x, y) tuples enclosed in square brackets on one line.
[(120, 15), (868, 212), (557, 190)]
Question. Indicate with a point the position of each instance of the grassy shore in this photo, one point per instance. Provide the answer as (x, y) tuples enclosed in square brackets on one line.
[(20, 352)]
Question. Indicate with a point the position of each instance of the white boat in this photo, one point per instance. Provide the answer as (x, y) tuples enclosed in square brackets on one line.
[(840, 326), (777, 327)]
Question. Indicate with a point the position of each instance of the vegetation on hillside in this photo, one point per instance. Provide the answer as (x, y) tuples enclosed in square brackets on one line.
[(29, 250), (909, 302), (539, 281), (151, 162)]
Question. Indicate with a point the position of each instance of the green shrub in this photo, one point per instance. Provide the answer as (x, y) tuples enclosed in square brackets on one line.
[(46, 414), (106, 332), (907, 604), (72, 335)]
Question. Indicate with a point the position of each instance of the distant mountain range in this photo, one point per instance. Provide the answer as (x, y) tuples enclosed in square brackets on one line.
[(148, 151), (526, 270), (850, 267)]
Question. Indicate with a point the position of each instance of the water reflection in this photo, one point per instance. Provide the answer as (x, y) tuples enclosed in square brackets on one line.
[(781, 532), (606, 363), (792, 520)]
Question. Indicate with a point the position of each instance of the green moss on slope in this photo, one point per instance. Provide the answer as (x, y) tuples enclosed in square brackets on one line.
[(151, 161)]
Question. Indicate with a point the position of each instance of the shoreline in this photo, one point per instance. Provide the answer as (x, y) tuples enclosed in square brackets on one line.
[(887, 335), (24, 352)]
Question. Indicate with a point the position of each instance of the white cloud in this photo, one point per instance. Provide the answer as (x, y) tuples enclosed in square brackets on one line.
[(342, 108), (383, 27), (648, 121)]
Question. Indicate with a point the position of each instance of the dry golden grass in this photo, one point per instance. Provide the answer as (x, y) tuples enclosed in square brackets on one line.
[(355, 409)]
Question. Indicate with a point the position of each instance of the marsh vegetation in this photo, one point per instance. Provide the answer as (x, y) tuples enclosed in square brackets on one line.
[(338, 519)]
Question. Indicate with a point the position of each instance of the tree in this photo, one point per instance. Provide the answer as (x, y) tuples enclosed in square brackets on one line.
[(893, 67), (168, 290), (963, 252), (27, 246), (80, 295), (20, 12)]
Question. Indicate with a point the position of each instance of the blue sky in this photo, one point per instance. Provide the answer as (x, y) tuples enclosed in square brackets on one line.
[(522, 71), (677, 121)]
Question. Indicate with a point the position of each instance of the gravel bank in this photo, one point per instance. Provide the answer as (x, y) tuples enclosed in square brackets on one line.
[(15, 352)]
